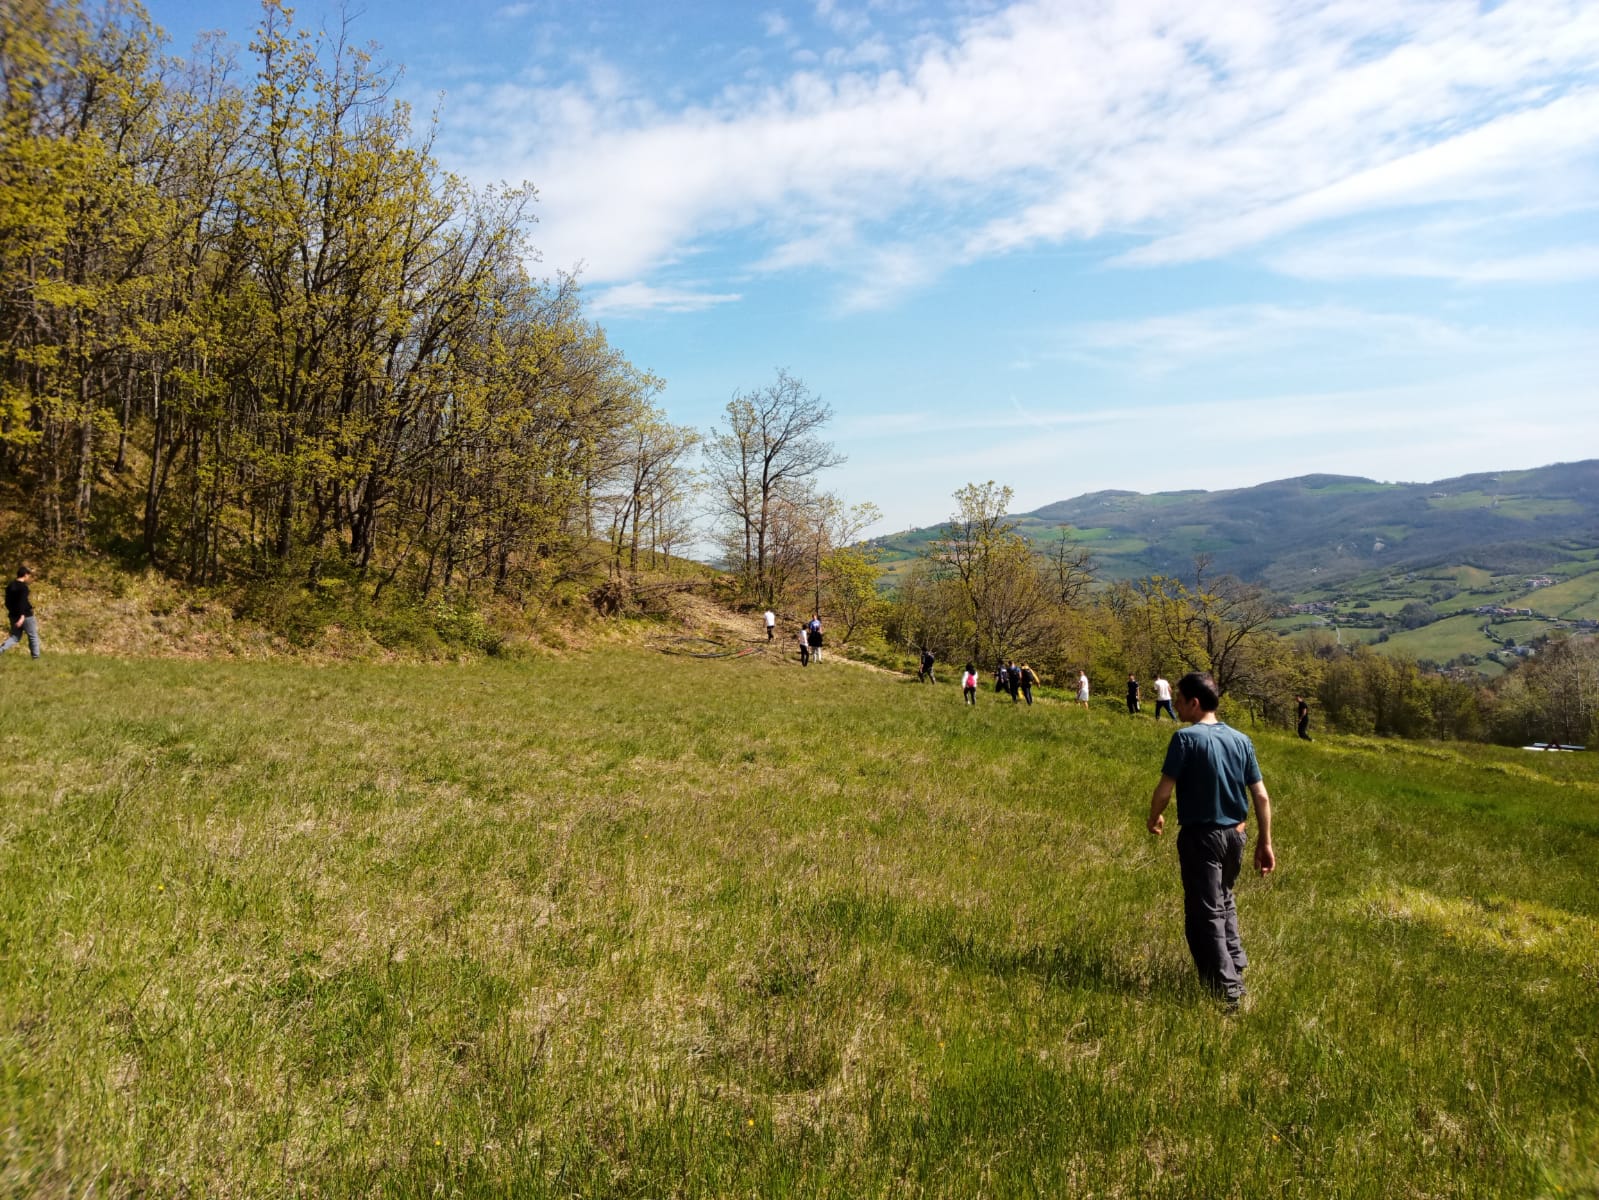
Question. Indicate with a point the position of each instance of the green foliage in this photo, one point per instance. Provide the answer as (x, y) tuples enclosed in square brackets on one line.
[(849, 576), (616, 926), (312, 345)]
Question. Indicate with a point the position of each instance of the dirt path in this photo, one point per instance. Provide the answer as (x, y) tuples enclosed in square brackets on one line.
[(703, 617)]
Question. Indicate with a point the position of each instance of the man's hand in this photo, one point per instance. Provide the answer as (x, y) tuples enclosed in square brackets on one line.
[(1158, 803), (1265, 858)]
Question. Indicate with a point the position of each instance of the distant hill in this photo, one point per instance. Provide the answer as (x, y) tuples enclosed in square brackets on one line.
[(1318, 530), (1463, 572)]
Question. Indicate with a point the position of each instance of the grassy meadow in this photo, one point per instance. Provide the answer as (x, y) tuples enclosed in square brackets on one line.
[(636, 924)]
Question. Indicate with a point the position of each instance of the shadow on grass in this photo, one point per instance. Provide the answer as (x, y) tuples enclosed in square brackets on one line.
[(945, 935), (1066, 963)]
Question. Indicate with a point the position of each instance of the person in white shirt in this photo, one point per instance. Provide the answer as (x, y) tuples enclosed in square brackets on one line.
[(771, 623), (1082, 688), (1163, 698)]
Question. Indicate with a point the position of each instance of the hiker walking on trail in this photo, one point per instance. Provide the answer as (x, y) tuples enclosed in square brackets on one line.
[(1025, 679), (1212, 769), (1302, 715), (1132, 695), (20, 622), (925, 673), (805, 646), (969, 685), (771, 624), (1163, 697), (1013, 681), (814, 635), (1082, 688)]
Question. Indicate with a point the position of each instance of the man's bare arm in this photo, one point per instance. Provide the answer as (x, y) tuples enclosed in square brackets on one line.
[(1265, 856), (1157, 804)]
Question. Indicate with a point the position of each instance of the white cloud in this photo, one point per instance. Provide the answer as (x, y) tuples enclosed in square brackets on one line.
[(1493, 158), (1205, 128), (631, 299), (841, 19), (1339, 260), (1161, 342)]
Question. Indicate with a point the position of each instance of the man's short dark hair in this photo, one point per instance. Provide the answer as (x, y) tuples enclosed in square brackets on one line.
[(24, 570), (1198, 685)]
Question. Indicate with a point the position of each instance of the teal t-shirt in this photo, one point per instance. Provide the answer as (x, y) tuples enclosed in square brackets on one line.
[(1213, 766)]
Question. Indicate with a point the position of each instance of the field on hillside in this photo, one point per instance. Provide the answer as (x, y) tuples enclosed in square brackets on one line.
[(1442, 640), (636, 924), (1573, 599)]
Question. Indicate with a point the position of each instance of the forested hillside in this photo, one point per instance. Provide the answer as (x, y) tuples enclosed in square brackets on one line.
[(1297, 534), (250, 328)]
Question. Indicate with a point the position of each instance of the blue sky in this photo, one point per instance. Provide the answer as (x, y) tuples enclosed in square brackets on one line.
[(1142, 244)]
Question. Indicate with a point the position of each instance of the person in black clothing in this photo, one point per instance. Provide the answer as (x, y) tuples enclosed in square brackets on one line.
[(1303, 714), (1013, 682), (1002, 679), (925, 674), (19, 614), (1132, 695), (1025, 678)]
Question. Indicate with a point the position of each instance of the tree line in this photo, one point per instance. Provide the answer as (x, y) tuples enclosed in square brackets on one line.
[(984, 592), (249, 326), (788, 544)]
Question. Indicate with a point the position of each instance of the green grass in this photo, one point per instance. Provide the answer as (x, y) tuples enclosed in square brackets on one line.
[(639, 925), (1443, 640), (1523, 508), (1572, 599)]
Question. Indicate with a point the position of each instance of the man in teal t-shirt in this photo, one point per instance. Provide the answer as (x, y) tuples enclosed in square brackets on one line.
[(1212, 768)]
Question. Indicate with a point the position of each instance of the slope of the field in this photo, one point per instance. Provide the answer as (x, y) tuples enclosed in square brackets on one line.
[(640, 924)]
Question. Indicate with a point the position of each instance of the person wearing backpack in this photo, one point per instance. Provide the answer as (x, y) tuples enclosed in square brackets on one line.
[(969, 685), (1026, 678), (925, 674)]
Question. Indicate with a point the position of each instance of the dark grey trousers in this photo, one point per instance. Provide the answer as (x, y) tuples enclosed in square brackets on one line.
[(1210, 861)]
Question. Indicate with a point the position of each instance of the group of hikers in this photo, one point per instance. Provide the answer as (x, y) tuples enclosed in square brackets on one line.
[(809, 637), (1017, 680), (1135, 697)]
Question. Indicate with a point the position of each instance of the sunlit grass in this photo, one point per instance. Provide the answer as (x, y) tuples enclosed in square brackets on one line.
[(631, 924)]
